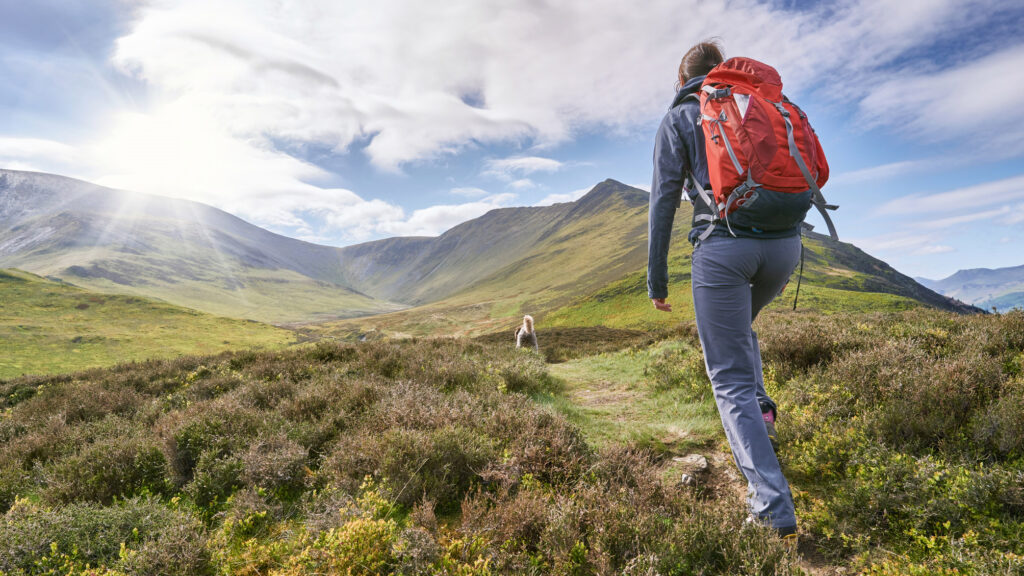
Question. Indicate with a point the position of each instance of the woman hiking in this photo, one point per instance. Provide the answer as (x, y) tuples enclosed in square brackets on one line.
[(736, 271)]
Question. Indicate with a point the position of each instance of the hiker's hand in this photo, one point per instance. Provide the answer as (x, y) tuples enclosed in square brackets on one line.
[(660, 304)]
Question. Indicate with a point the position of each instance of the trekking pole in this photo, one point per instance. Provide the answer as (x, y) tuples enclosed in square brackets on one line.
[(799, 276)]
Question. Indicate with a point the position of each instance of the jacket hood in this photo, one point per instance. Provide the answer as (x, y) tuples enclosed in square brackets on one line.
[(692, 85)]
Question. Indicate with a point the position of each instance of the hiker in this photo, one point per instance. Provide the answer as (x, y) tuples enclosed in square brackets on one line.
[(736, 271)]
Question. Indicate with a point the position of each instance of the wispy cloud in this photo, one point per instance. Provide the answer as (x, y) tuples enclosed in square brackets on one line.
[(904, 243), (334, 72), (436, 219), (884, 171), (508, 168), (522, 184), (39, 155), (957, 103), (943, 223), (469, 192), (979, 196)]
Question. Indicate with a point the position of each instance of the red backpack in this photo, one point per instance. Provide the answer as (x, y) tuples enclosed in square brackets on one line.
[(764, 160)]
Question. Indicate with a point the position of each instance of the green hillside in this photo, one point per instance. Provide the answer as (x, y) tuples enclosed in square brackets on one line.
[(837, 277), (48, 327), (588, 268), (182, 252)]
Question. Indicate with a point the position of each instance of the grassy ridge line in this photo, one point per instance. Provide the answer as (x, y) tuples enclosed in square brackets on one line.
[(598, 241), (48, 327), (824, 288), (837, 278)]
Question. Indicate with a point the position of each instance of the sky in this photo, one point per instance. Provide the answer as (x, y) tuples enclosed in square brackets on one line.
[(340, 122)]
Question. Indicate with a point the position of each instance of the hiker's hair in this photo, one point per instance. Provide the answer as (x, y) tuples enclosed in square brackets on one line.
[(700, 59)]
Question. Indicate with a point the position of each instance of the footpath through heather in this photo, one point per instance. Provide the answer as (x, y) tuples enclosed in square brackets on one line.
[(657, 398)]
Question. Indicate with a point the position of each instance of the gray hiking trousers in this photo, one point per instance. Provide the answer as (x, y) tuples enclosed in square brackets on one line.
[(733, 279)]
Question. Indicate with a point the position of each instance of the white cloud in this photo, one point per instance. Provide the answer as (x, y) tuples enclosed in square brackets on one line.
[(884, 171), (559, 198), (979, 196), (904, 243), (39, 155), (436, 219), (422, 80), (522, 184), (508, 168), (1015, 215), (935, 249), (944, 223), (411, 81), (469, 192), (961, 102)]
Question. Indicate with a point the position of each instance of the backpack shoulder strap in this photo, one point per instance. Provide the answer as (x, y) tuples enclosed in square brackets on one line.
[(704, 196)]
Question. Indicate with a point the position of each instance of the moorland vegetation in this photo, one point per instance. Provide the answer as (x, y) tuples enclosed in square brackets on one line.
[(902, 433)]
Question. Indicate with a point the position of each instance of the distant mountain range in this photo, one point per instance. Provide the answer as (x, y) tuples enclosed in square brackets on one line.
[(182, 252), (987, 288), (506, 261)]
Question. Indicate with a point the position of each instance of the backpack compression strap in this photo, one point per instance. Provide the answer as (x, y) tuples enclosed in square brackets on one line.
[(816, 196)]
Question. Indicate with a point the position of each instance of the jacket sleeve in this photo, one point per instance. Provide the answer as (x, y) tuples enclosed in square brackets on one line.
[(670, 167)]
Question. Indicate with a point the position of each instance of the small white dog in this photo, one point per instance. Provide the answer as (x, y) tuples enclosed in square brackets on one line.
[(525, 335)]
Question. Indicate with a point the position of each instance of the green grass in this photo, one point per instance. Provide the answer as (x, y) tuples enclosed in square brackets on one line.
[(47, 327)]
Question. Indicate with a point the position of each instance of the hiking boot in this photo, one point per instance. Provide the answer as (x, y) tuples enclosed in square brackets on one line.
[(768, 414), (789, 537), (786, 533)]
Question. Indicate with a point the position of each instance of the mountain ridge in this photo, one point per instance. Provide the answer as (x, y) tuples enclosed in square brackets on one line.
[(999, 288), (499, 264)]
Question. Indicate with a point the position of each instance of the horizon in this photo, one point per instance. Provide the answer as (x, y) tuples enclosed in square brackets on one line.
[(325, 124)]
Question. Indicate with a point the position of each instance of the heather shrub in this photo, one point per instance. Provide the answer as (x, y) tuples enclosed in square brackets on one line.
[(92, 533), (220, 427), (276, 464), (107, 469), (323, 508), (14, 480), (562, 343), (1011, 327), (437, 464), (909, 443), (331, 353), (999, 429), (79, 401), (179, 550), (362, 546), (537, 442), (794, 343), (210, 385), (214, 478), (252, 537), (617, 519)]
